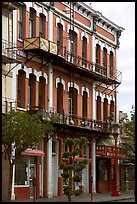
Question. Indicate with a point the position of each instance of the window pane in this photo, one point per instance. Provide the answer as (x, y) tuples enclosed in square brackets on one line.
[(21, 172), (20, 30)]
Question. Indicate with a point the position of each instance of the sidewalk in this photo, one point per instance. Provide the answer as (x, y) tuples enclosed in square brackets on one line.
[(85, 197)]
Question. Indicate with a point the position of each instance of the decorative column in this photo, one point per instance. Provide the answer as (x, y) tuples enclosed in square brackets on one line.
[(94, 165), (50, 68), (60, 179), (50, 107), (94, 118), (49, 169)]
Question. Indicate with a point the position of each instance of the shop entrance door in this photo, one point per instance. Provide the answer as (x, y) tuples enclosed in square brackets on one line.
[(32, 174)]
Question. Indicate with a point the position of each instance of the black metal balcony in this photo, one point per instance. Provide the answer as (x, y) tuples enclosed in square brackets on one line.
[(71, 120), (72, 62)]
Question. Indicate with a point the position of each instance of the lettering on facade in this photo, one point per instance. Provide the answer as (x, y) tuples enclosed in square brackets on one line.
[(109, 152)]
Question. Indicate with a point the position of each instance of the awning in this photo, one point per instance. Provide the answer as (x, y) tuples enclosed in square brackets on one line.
[(33, 152)]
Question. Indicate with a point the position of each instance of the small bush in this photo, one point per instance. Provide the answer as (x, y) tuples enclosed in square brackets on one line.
[(77, 192), (77, 178), (67, 190)]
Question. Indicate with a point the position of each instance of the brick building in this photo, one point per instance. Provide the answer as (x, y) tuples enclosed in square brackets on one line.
[(65, 62)]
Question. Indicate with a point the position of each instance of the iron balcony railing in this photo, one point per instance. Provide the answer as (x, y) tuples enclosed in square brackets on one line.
[(35, 43), (78, 121)]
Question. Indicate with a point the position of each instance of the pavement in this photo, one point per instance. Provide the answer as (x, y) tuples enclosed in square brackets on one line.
[(85, 197)]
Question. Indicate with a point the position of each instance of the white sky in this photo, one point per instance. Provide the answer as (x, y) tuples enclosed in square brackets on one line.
[(123, 14)]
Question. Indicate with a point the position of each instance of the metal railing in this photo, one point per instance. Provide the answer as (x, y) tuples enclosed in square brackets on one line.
[(71, 58), (78, 121)]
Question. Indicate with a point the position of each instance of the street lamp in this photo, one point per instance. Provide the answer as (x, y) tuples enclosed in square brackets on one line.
[(115, 131)]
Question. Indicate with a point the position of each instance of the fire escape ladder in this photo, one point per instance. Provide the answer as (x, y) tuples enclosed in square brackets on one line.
[(28, 59), (44, 64), (106, 88), (113, 89), (98, 85)]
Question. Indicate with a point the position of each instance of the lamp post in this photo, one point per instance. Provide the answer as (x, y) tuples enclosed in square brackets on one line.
[(115, 131)]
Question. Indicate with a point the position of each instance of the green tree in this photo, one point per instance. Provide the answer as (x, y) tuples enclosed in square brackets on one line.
[(72, 172), (129, 130), (24, 130)]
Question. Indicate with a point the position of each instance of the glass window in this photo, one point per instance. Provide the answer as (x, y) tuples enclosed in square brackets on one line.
[(42, 83), (111, 64), (42, 19), (32, 22), (84, 50), (21, 89), (60, 98), (21, 172), (20, 17), (103, 170), (84, 104), (60, 38)]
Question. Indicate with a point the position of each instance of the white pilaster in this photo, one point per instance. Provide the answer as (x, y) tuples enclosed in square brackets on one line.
[(94, 165), (93, 51), (50, 87), (50, 26), (93, 102), (49, 169), (50, 106), (50, 68), (14, 70)]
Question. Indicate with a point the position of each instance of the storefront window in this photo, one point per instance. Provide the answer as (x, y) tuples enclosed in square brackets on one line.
[(21, 172), (103, 170)]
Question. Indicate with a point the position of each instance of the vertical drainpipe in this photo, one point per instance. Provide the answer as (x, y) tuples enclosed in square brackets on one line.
[(93, 117), (50, 106)]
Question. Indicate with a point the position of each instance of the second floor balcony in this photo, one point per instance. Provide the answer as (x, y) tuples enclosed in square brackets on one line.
[(72, 62), (67, 119)]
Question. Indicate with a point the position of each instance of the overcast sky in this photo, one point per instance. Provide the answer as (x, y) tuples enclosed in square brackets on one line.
[(123, 14)]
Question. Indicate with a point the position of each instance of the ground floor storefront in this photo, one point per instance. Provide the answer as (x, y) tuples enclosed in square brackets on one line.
[(45, 168)]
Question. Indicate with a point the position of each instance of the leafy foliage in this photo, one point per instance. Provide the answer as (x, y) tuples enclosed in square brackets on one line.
[(72, 170), (129, 130), (23, 129)]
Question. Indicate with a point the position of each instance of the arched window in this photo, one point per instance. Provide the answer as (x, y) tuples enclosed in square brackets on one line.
[(32, 23), (42, 83), (21, 21), (60, 98), (98, 108), (32, 91), (112, 106), (21, 89), (84, 50), (104, 61), (111, 64), (42, 25), (73, 45), (60, 38), (73, 101), (84, 104), (105, 109), (97, 66)]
